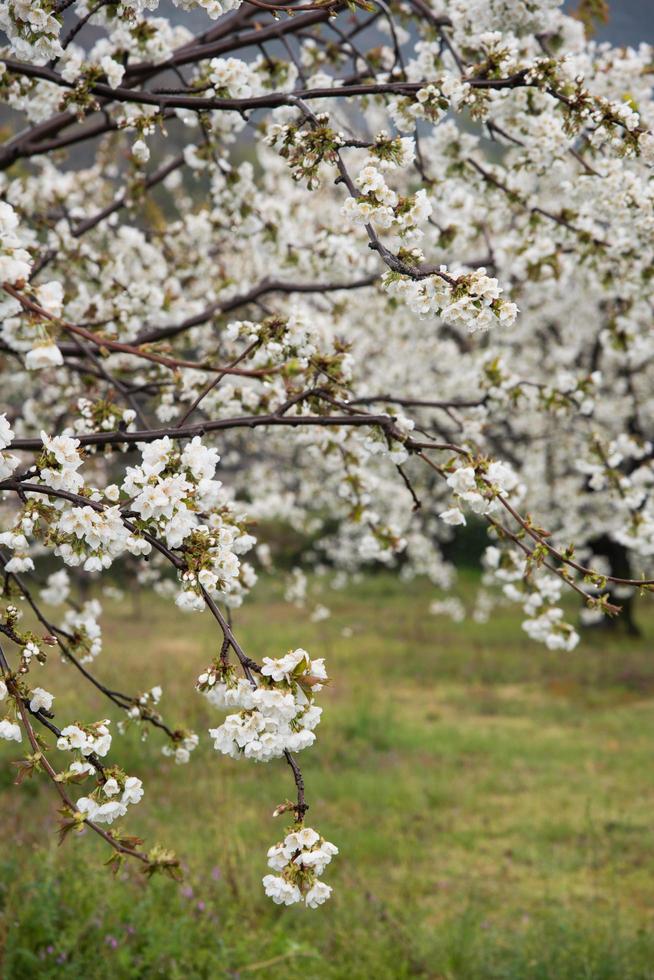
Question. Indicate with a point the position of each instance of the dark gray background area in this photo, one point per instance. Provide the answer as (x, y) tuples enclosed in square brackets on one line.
[(632, 21)]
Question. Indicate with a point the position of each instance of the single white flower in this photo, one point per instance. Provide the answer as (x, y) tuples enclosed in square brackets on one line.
[(41, 699), (10, 730), (462, 479), (317, 894), (452, 516), (141, 151), (44, 356)]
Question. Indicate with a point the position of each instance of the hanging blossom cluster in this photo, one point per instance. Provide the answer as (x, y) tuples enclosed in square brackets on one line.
[(277, 716), (537, 593), (301, 857), (478, 488), (347, 272)]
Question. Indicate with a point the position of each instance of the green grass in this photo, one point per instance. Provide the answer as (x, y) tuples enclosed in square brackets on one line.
[(492, 801)]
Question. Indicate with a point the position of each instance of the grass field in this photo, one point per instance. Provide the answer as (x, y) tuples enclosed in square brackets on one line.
[(493, 804)]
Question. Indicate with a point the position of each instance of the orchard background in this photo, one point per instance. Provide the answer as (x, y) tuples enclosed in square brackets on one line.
[(494, 806)]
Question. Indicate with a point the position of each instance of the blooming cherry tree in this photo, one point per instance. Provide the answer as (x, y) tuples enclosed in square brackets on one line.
[(371, 269)]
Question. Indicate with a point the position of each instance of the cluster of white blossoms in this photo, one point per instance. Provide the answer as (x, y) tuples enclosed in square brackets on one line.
[(214, 8), (15, 260), (60, 463), (551, 629), (15, 268), (452, 607), (479, 490), (432, 102), (472, 300), (57, 588), (537, 590), (110, 800), (277, 716), (105, 416), (301, 858), (379, 205), (32, 28), (377, 445), (172, 494), (473, 18), (8, 462), (10, 730), (277, 339), (92, 538), (377, 201), (88, 740), (391, 152), (45, 353), (83, 625), (311, 152), (181, 749), (21, 561), (231, 77), (175, 497)]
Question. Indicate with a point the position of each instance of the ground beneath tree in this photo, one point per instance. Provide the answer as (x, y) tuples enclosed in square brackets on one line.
[(492, 802)]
